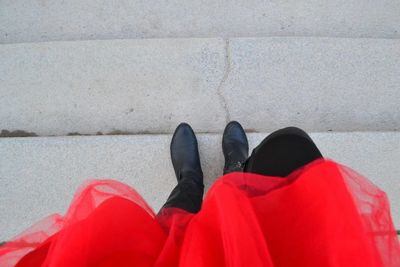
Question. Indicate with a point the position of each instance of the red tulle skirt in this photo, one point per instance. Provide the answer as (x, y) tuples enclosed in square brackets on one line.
[(324, 214)]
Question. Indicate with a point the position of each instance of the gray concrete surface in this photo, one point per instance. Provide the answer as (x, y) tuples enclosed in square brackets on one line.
[(320, 84), (150, 85), (111, 86), (38, 176), (38, 20)]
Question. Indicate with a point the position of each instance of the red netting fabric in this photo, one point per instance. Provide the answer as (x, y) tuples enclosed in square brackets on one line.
[(324, 214)]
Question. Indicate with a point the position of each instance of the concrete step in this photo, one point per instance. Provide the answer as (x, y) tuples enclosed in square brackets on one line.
[(38, 20), (150, 85), (38, 176)]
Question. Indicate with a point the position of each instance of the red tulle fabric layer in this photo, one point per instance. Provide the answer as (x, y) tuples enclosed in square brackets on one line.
[(324, 214)]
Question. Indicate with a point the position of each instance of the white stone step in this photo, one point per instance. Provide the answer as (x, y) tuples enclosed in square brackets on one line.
[(38, 20), (38, 176), (150, 85)]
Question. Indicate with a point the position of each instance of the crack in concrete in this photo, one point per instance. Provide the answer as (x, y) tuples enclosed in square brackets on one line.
[(227, 70)]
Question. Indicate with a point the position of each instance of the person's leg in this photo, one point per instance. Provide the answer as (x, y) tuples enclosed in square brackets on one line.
[(282, 152), (188, 194)]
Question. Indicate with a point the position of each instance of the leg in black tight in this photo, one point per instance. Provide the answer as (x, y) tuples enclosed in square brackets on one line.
[(282, 152), (188, 194)]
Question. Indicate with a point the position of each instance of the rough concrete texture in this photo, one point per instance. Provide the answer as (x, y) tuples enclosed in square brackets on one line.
[(320, 84), (38, 176), (111, 86), (148, 86), (38, 20)]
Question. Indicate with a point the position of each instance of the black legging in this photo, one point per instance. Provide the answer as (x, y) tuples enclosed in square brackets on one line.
[(278, 154), (187, 195)]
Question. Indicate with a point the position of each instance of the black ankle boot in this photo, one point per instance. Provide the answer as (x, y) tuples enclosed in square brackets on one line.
[(235, 147), (185, 154), (188, 194)]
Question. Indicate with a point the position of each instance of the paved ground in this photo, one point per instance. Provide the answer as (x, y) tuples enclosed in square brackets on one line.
[(149, 86), (39, 175), (38, 20)]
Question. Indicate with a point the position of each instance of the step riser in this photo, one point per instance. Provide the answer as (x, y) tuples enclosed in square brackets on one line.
[(35, 20), (149, 86), (38, 176)]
